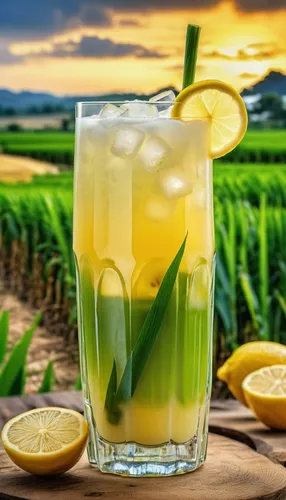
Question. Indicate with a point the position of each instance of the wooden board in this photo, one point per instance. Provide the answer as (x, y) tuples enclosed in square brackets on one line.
[(233, 471), (236, 468)]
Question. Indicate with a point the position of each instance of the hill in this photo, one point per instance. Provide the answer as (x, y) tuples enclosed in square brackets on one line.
[(39, 102), (23, 102), (274, 83)]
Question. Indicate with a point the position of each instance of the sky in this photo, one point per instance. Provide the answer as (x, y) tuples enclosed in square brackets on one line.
[(101, 46)]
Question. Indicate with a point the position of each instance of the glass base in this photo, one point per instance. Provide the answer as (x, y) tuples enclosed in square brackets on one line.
[(132, 459), (136, 460)]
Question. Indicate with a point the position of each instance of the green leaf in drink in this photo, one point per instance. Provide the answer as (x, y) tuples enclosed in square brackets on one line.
[(144, 344)]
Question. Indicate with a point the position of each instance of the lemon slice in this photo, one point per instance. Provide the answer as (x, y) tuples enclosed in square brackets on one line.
[(265, 392), (45, 441), (220, 103)]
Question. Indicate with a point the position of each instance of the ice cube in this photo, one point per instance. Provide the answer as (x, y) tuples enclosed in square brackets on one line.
[(127, 141), (155, 153), (166, 113), (139, 110), (160, 99), (158, 208), (109, 113), (174, 183), (168, 96)]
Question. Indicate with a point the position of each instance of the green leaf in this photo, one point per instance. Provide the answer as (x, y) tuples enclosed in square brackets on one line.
[(78, 385), (4, 330), (146, 339), (263, 265), (19, 383), (113, 412), (17, 360), (252, 301), (222, 307), (281, 301), (48, 379)]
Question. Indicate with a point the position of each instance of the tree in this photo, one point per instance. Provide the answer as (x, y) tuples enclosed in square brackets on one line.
[(9, 112), (14, 127), (65, 124), (272, 104)]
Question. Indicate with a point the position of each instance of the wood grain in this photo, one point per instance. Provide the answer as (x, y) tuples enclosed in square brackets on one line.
[(233, 471)]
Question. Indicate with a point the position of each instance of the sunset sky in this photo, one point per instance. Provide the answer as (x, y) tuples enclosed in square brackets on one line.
[(101, 46)]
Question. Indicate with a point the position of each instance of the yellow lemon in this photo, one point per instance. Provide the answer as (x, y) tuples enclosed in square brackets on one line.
[(246, 359), (45, 441), (222, 105), (265, 392)]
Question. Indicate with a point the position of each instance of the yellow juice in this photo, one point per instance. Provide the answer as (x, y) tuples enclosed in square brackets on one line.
[(141, 185)]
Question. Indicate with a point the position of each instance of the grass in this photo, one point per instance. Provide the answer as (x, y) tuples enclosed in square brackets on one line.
[(259, 139), (13, 370)]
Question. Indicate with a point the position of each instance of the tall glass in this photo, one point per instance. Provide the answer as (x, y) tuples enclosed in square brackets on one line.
[(143, 182)]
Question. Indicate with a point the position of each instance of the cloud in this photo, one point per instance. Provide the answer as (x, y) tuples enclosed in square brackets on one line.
[(143, 5), (45, 17), (129, 22), (261, 45), (90, 15), (258, 5), (248, 75), (93, 46), (246, 54), (6, 57), (180, 67)]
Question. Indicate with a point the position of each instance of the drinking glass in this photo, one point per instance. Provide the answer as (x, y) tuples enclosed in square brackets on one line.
[(143, 202)]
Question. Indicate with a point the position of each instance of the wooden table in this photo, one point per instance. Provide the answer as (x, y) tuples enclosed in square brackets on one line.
[(245, 462)]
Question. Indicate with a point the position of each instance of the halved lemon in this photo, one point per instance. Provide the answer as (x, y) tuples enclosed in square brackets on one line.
[(45, 441), (246, 359), (222, 105), (265, 392)]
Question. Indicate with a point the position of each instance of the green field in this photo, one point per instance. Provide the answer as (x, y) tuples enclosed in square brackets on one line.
[(250, 223), (266, 146), (250, 220)]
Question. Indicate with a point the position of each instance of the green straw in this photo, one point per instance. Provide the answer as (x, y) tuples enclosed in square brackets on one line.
[(191, 52)]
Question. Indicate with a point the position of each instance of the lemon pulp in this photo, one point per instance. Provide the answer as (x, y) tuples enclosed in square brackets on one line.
[(46, 440), (265, 392)]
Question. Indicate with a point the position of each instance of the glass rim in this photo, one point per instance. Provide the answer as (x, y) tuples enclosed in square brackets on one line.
[(92, 103), (88, 109)]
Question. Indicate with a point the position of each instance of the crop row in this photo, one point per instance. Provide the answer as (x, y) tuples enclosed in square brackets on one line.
[(231, 182), (256, 147)]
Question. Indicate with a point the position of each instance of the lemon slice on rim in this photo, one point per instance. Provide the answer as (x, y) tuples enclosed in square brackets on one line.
[(45, 441), (220, 103), (265, 392)]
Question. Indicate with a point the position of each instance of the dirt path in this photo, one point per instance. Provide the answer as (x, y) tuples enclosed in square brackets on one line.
[(44, 346), (19, 168)]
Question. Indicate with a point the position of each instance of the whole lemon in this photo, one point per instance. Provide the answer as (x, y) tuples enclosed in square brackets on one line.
[(246, 359)]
